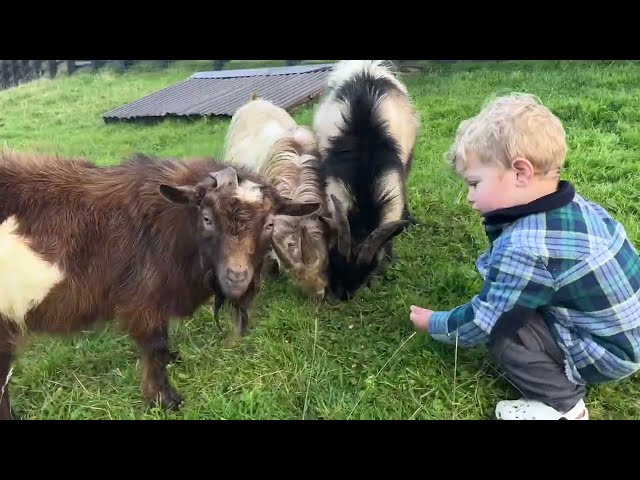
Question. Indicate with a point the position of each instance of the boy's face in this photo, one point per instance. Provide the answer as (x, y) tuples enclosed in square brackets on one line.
[(491, 187)]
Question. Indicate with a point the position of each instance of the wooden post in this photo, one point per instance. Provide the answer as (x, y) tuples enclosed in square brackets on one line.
[(218, 64), (71, 67), (15, 72), (36, 67), (26, 70), (96, 64), (6, 74), (53, 68)]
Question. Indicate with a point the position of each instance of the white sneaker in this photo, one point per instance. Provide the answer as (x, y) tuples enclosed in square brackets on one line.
[(533, 410)]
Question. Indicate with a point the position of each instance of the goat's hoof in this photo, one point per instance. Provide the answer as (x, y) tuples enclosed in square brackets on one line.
[(173, 356), (232, 341), (9, 415), (167, 399), (170, 356)]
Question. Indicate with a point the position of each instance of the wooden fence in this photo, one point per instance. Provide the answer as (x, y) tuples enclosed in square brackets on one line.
[(16, 72)]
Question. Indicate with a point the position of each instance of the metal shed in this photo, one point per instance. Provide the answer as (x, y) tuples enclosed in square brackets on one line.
[(223, 92)]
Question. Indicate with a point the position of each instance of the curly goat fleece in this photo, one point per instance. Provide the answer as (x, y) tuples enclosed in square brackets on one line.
[(265, 139)]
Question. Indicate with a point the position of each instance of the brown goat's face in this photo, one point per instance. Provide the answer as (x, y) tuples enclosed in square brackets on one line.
[(234, 226), (300, 245)]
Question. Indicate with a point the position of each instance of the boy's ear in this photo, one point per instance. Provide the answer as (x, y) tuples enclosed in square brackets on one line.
[(524, 170)]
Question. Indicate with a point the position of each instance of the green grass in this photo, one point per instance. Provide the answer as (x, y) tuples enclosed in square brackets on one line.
[(305, 360)]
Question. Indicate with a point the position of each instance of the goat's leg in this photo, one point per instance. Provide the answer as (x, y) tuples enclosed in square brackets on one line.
[(272, 267), (388, 251), (156, 386), (8, 336), (248, 299), (387, 260), (6, 358), (408, 215), (172, 356), (218, 303), (243, 321), (240, 329)]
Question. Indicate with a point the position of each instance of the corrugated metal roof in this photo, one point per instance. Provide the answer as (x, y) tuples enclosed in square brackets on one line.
[(223, 92)]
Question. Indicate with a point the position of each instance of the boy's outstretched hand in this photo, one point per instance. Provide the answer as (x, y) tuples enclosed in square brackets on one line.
[(420, 317)]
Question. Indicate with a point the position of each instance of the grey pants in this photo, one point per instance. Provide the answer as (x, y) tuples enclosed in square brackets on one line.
[(533, 362)]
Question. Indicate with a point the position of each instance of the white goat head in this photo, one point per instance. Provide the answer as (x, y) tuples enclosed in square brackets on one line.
[(300, 246)]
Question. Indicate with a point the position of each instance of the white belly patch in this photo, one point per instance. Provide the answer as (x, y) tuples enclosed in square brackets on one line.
[(25, 278)]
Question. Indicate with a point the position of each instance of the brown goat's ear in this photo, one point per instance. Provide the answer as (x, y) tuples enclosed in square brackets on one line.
[(182, 195)]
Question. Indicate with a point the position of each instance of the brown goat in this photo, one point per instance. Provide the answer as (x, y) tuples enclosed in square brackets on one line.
[(141, 242)]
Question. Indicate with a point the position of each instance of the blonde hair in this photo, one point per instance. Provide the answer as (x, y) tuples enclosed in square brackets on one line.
[(511, 126)]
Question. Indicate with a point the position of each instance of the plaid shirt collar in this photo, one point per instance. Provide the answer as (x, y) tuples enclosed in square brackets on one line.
[(495, 221)]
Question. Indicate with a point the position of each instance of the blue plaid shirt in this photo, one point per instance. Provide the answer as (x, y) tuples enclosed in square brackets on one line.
[(568, 259)]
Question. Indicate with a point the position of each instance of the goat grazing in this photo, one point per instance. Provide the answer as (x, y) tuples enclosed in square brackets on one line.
[(142, 242), (265, 139), (366, 128)]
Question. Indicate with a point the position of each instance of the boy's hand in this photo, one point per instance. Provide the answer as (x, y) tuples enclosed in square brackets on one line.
[(420, 317)]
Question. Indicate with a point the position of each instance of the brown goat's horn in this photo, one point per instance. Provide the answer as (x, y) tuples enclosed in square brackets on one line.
[(377, 238), (207, 183), (226, 176), (344, 231)]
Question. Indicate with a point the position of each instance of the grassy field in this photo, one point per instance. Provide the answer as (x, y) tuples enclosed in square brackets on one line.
[(304, 360)]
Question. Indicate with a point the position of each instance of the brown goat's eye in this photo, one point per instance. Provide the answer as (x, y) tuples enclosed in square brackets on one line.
[(207, 218)]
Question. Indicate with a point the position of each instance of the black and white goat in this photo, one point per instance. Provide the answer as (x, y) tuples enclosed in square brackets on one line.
[(366, 126)]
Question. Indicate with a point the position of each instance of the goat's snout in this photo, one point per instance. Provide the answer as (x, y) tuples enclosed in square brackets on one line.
[(234, 280), (237, 276)]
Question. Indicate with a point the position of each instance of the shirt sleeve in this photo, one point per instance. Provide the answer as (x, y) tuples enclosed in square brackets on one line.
[(515, 280)]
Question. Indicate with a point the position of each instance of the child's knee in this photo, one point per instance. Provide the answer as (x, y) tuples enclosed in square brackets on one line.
[(498, 345)]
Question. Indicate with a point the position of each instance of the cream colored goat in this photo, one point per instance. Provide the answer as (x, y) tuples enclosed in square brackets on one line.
[(265, 139)]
